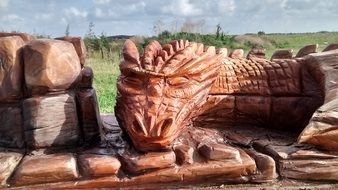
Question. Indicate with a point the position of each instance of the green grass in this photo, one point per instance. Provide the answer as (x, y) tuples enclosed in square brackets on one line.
[(105, 76), (106, 71), (297, 41)]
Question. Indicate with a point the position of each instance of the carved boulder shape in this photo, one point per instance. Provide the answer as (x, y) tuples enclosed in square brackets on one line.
[(25, 37), (50, 65), (11, 69), (79, 46)]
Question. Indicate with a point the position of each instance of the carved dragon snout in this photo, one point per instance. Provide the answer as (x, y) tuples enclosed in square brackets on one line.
[(159, 92)]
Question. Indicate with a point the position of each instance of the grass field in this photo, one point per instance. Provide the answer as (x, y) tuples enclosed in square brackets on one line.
[(106, 71), (105, 75)]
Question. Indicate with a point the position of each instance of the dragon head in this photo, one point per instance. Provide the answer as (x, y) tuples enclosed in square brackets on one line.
[(160, 92)]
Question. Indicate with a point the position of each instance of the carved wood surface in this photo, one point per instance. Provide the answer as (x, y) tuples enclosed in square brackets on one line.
[(50, 65), (51, 121), (160, 89), (11, 69), (163, 89), (11, 130)]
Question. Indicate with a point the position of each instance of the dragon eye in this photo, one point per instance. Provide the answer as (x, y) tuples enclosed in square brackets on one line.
[(178, 81)]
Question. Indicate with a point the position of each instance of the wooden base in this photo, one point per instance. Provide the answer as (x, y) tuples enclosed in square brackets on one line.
[(201, 156)]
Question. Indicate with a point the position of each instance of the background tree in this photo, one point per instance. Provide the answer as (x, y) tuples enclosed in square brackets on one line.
[(67, 30), (158, 27)]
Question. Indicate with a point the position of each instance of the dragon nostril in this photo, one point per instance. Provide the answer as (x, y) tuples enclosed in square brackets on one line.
[(166, 124), (137, 127)]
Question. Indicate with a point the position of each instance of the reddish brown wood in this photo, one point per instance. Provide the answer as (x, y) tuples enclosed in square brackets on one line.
[(87, 77), (282, 54), (150, 161), (25, 37), (306, 50), (51, 121), (45, 169), (217, 151), (11, 69), (163, 89), (184, 154), (78, 45), (89, 114), (9, 161), (50, 65), (11, 130), (98, 165)]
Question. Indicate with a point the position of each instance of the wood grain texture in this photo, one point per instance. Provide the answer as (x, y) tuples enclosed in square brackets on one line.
[(89, 114), (98, 165), (51, 121), (25, 37), (9, 161), (11, 130), (50, 65), (79, 46), (46, 168), (11, 69), (163, 89)]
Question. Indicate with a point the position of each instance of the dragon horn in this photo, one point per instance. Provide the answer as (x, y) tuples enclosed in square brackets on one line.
[(130, 56)]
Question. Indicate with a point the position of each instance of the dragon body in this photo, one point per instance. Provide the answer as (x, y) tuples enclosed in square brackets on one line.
[(184, 83)]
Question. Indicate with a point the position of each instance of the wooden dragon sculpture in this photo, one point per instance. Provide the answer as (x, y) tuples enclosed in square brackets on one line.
[(181, 83)]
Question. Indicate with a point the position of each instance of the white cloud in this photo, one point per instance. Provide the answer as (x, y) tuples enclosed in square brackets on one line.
[(43, 16), (226, 6), (101, 2), (74, 12), (181, 8), (138, 16), (11, 18), (4, 3)]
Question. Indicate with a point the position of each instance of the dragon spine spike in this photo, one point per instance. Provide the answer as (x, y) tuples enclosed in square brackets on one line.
[(331, 47), (200, 48), (306, 50), (237, 54), (130, 55), (223, 51), (282, 54), (210, 50), (256, 53), (150, 54)]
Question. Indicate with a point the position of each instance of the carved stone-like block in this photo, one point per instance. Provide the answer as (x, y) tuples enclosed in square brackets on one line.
[(11, 129), (312, 169), (51, 121), (152, 160), (46, 169), (50, 65), (11, 69), (266, 167), (86, 77), (78, 45), (98, 165), (89, 113), (184, 154), (25, 37), (215, 151), (322, 130), (9, 161)]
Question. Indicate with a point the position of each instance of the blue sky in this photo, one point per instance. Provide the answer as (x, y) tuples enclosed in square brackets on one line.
[(137, 17)]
